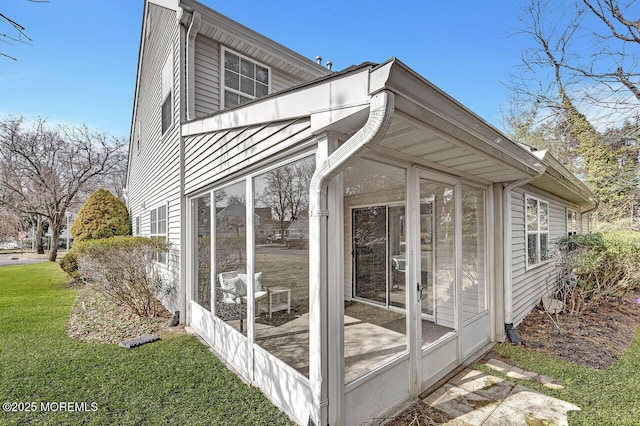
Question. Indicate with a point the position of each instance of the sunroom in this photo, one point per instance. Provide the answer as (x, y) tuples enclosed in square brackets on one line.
[(344, 237)]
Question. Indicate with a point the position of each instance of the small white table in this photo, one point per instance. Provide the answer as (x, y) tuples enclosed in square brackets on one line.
[(276, 299)]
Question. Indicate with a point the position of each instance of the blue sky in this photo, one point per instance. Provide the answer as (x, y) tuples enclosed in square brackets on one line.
[(81, 66)]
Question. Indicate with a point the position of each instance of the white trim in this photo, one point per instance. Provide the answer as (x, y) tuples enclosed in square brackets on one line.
[(538, 232), (164, 234), (572, 231), (223, 87)]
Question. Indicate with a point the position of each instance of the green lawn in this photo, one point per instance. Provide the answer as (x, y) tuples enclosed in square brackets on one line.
[(606, 397), (174, 381)]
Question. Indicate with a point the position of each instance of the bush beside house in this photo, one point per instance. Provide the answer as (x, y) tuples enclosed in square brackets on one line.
[(103, 215), (597, 268), (122, 270)]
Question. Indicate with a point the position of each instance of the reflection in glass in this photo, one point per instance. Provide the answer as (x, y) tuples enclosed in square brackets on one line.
[(474, 299), (202, 206), (370, 253), (437, 255), (230, 252), (375, 258), (281, 279)]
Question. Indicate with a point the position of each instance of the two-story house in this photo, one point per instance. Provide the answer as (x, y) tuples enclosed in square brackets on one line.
[(429, 231)]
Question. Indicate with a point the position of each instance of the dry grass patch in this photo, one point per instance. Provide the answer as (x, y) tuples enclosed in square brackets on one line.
[(96, 319)]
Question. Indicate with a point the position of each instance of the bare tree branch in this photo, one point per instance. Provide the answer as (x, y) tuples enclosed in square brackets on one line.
[(45, 170)]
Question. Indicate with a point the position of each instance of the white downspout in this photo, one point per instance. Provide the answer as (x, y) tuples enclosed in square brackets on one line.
[(194, 27), (380, 115), (506, 214)]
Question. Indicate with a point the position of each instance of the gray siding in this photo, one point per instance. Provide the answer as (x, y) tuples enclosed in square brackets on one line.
[(207, 76), (529, 285), (154, 173), (211, 157)]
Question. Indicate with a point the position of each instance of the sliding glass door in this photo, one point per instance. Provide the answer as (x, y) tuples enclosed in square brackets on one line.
[(379, 254)]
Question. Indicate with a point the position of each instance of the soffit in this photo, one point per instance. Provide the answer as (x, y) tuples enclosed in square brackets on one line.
[(410, 140)]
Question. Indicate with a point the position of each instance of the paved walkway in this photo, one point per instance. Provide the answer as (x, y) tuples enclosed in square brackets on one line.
[(23, 258), (475, 398)]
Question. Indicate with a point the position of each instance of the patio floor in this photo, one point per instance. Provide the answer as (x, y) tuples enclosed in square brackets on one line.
[(372, 337)]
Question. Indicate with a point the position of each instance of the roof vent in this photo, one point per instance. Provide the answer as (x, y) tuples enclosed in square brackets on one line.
[(319, 60), (329, 65)]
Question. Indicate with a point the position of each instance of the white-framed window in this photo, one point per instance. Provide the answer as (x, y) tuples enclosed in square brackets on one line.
[(167, 105), (158, 227), (537, 228), (243, 79), (572, 222)]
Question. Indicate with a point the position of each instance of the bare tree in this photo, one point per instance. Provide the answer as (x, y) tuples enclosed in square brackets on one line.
[(19, 34), (10, 224), (287, 191), (558, 79), (44, 170)]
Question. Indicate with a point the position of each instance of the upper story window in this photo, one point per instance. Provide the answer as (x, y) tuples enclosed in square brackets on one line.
[(243, 79), (158, 226), (537, 225), (167, 89), (572, 222)]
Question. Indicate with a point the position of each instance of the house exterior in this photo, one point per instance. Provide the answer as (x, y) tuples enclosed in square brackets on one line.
[(428, 230)]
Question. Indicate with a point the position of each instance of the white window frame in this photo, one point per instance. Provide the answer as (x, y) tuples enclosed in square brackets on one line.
[(575, 229), (155, 228), (223, 87), (538, 232)]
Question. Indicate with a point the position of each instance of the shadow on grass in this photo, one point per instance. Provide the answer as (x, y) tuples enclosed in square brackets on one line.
[(173, 381)]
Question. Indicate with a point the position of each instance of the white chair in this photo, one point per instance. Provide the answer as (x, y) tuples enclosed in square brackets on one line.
[(233, 290)]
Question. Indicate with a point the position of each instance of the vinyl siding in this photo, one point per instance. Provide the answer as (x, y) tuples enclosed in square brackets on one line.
[(529, 285), (154, 173), (211, 157), (207, 76)]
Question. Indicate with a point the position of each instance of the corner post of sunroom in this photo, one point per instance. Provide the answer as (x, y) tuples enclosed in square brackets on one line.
[(318, 287)]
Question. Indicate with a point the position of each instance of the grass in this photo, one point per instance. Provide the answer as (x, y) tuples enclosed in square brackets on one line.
[(605, 397), (174, 381)]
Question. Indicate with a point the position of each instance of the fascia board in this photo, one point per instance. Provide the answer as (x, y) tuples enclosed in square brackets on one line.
[(564, 177), (167, 4), (350, 89), (217, 20), (137, 87), (412, 86)]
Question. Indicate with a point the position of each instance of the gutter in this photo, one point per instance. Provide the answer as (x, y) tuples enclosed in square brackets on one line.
[(380, 115), (194, 27), (506, 214)]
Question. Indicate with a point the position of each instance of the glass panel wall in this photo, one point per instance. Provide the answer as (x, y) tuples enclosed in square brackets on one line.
[(474, 292), (202, 208), (230, 254), (281, 281), (374, 212), (437, 255)]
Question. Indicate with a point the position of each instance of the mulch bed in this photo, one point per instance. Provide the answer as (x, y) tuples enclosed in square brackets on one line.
[(594, 339)]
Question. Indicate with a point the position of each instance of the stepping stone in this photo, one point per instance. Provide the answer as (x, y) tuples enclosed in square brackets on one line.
[(498, 365), (138, 341), (482, 384), (526, 407), (466, 408)]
